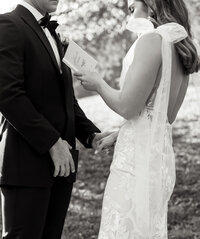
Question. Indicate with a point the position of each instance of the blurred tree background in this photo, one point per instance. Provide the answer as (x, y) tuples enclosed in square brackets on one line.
[(99, 27)]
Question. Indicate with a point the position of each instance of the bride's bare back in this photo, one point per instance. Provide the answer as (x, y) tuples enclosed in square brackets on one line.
[(179, 84)]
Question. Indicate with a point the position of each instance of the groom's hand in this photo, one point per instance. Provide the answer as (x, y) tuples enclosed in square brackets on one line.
[(97, 139), (62, 158)]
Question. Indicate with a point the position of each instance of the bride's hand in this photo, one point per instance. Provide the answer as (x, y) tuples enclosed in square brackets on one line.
[(89, 80), (107, 142)]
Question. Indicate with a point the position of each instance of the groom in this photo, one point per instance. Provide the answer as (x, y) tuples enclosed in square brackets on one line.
[(40, 121)]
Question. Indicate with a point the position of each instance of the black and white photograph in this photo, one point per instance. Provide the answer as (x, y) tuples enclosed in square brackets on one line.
[(100, 119)]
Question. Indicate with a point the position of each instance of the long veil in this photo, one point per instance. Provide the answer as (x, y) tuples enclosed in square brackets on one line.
[(152, 193)]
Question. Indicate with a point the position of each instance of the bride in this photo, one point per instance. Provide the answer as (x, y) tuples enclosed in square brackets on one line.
[(154, 81)]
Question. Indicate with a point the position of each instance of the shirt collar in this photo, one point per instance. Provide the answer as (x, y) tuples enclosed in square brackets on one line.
[(33, 10)]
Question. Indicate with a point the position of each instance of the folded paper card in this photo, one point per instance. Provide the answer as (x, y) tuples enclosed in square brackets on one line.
[(78, 59)]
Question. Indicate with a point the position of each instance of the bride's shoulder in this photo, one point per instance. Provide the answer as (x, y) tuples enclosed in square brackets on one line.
[(152, 37), (149, 44)]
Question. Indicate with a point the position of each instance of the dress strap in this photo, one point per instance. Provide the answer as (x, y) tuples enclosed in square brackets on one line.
[(172, 32)]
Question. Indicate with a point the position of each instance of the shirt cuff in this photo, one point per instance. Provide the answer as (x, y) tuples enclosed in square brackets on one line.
[(90, 140)]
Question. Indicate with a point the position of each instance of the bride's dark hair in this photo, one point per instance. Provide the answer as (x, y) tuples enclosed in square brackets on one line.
[(165, 11)]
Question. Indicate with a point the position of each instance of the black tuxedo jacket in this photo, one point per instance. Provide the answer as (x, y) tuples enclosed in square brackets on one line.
[(36, 101)]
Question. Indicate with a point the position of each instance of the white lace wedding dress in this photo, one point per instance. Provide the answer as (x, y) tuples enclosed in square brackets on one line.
[(142, 174)]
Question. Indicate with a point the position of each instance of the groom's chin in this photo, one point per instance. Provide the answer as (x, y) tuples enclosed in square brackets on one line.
[(52, 6)]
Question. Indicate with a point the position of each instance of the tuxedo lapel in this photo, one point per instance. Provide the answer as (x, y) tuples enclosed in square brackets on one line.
[(68, 89), (30, 20), (59, 45)]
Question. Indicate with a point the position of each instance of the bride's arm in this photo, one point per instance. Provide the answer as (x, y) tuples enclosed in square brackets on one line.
[(139, 82)]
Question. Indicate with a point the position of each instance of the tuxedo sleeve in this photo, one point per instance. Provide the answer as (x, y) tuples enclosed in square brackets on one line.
[(84, 127), (15, 105)]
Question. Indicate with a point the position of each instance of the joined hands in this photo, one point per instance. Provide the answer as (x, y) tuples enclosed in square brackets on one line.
[(62, 158), (104, 141)]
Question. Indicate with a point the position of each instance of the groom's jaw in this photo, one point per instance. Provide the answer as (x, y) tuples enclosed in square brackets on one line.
[(44, 6), (52, 5)]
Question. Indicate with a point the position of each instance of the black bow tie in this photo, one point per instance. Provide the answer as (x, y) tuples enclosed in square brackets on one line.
[(46, 23)]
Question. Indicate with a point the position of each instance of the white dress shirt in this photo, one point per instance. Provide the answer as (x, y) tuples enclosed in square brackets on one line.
[(52, 41)]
